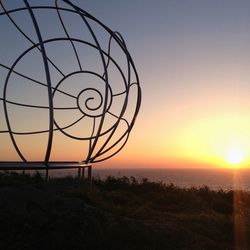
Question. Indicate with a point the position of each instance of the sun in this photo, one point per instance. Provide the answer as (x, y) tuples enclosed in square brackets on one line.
[(235, 156)]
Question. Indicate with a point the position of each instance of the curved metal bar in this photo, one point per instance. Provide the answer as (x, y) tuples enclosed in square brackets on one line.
[(4, 131), (122, 111), (105, 71), (8, 121), (66, 32), (92, 134), (35, 81), (109, 49), (50, 97), (51, 40), (101, 152), (102, 108), (93, 116), (126, 133), (42, 7), (89, 16), (109, 46), (85, 72), (89, 99), (63, 39), (116, 152), (121, 42), (30, 40), (46, 131), (35, 106)]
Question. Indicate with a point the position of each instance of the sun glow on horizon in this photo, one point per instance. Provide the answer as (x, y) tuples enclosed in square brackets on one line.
[(235, 156), (219, 140)]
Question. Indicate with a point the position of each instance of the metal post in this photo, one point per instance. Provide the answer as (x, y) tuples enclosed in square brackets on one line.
[(90, 175), (83, 174), (79, 172), (47, 174)]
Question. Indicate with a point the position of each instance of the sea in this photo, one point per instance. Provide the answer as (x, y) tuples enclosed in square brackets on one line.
[(215, 179)]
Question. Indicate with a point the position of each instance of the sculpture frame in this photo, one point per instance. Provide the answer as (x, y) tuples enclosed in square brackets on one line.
[(46, 164)]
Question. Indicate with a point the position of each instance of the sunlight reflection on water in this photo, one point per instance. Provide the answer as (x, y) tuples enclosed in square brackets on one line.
[(213, 178)]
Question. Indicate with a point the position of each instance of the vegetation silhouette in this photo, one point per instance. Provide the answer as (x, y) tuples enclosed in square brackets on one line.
[(117, 213)]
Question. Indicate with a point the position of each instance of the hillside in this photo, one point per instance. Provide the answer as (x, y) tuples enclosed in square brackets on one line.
[(119, 213)]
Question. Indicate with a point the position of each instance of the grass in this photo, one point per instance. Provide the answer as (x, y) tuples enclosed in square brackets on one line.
[(119, 213)]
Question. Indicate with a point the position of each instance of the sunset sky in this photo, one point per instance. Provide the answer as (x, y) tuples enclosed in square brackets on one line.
[(193, 60)]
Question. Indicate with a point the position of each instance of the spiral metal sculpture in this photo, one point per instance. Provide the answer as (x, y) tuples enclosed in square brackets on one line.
[(74, 76)]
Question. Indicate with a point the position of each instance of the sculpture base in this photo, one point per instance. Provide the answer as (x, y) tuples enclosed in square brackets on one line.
[(11, 165)]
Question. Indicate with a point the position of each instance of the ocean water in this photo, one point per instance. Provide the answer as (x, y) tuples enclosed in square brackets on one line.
[(216, 179)]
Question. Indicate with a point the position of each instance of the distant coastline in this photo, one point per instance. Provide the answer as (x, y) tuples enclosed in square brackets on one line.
[(226, 179)]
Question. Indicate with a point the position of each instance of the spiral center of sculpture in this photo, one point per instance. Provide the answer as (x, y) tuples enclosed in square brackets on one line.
[(92, 95), (89, 101)]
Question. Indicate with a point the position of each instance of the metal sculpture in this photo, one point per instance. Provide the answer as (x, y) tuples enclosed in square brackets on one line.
[(71, 72)]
